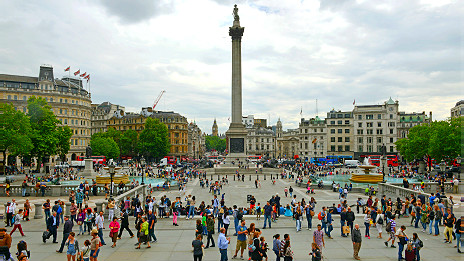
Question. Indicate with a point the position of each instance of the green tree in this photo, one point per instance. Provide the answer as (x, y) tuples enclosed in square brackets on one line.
[(104, 146), (128, 143), (114, 134), (154, 140), (215, 143), (14, 132), (64, 135), (416, 146), (44, 124)]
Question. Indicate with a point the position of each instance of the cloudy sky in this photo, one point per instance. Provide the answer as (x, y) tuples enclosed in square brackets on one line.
[(293, 52)]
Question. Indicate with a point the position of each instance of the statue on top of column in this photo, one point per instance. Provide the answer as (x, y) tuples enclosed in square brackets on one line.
[(235, 14)]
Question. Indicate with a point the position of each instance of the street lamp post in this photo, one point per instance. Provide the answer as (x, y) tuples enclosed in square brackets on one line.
[(142, 161), (111, 169), (382, 159), (442, 166)]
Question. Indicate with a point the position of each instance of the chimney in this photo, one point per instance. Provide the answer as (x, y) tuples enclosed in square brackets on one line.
[(430, 116)]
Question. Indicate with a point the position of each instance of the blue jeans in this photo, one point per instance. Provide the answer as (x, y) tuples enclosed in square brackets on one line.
[(310, 221), (100, 234), (400, 250), (23, 192), (437, 230), (417, 254), (276, 252), (424, 225), (215, 210), (324, 226), (151, 234), (342, 223), (416, 224), (298, 225), (430, 226), (458, 239), (191, 212), (220, 224), (223, 254), (367, 229), (267, 217), (236, 225)]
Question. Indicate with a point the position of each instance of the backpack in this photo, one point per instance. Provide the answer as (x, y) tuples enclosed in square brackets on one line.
[(380, 221), (239, 216), (319, 216), (389, 227), (421, 244)]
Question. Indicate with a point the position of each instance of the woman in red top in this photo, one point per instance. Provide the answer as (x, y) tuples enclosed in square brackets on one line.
[(114, 229)]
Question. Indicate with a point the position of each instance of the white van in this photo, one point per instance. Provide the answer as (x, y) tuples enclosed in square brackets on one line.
[(352, 163)]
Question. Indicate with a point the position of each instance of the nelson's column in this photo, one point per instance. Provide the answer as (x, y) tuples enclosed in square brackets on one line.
[(236, 134)]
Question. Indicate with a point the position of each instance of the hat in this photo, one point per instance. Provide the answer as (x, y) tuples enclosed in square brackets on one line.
[(94, 231)]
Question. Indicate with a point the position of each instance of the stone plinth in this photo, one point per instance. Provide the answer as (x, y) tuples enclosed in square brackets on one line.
[(88, 170), (38, 211)]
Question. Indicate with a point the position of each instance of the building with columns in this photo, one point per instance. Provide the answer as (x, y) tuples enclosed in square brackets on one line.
[(260, 141), (68, 98), (408, 120), (101, 113), (374, 126), (196, 141), (340, 133), (458, 109), (312, 135)]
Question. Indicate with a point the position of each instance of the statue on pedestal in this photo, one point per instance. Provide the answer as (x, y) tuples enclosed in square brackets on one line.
[(88, 152), (235, 14)]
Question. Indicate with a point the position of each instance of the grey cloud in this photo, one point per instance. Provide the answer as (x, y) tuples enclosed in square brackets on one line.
[(129, 11)]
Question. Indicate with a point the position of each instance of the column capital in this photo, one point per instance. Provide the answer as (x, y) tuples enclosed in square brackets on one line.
[(236, 32)]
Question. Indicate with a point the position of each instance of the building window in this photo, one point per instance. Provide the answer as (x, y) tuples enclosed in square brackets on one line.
[(379, 116), (24, 98), (360, 140), (379, 124), (332, 131), (391, 140), (391, 131), (332, 148), (369, 148), (347, 139), (340, 122), (379, 139), (369, 117), (379, 131), (360, 148), (391, 148), (360, 117), (369, 124), (332, 139), (370, 132), (339, 139), (347, 130), (332, 122), (339, 130), (347, 148), (347, 121), (360, 132), (369, 139), (340, 148), (391, 116), (15, 97), (360, 124), (9, 97)]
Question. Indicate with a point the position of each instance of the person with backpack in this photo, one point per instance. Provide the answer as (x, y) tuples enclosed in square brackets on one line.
[(459, 230), (322, 216), (391, 229), (254, 247), (402, 240), (437, 217), (417, 244), (380, 219), (73, 247), (449, 223)]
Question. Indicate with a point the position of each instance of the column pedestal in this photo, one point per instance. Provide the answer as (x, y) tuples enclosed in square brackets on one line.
[(38, 211)]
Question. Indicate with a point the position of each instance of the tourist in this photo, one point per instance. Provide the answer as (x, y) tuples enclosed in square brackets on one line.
[(380, 219), (418, 244), (318, 237), (46, 207), (73, 247), (80, 222), (309, 209), (198, 245), (402, 240), (298, 216), (343, 221), (263, 247), (52, 225), (199, 228), (88, 221), (151, 219), (267, 214), (111, 205), (67, 229), (85, 251), (424, 217), (73, 211), (316, 254), (27, 210), (210, 229), (350, 218), (241, 239), (17, 223), (391, 229), (99, 222), (367, 223), (459, 230), (256, 254), (329, 223), (356, 239), (125, 224), (226, 221), (223, 244), (5, 243), (144, 233), (114, 229), (94, 245), (276, 244), (287, 252), (449, 223), (10, 210), (437, 218)]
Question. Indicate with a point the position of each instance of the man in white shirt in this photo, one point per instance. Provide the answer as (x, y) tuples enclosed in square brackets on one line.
[(99, 222), (455, 185), (9, 214)]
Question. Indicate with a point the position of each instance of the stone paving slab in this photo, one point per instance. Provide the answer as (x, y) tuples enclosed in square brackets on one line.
[(174, 243)]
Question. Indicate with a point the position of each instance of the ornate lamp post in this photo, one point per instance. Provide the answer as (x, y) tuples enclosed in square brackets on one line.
[(111, 170), (383, 162), (142, 161)]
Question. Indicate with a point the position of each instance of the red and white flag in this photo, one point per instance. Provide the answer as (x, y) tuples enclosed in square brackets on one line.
[(76, 73), (354, 101), (67, 69), (84, 74), (87, 77)]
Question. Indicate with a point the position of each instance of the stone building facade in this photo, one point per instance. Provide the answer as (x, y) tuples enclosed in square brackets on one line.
[(196, 142), (458, 109), (312, 136), (340, 133), (70, 102), (260, 141), (101, 113)]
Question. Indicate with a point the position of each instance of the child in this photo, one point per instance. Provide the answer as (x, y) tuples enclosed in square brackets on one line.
[(264, 247), (258, 211)]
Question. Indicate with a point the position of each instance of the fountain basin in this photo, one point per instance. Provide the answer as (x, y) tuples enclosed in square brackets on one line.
[(366, 178)]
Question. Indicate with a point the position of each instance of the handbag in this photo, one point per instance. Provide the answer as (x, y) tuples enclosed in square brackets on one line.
[(346, 230), (111, 234)]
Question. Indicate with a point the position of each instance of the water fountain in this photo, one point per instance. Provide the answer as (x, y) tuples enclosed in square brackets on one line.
[(368, 176)]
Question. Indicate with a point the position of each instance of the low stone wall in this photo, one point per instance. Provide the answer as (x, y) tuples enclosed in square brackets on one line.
[(53, 190)]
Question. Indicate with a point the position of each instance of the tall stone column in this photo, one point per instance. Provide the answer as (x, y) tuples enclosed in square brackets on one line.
[(236, 134)]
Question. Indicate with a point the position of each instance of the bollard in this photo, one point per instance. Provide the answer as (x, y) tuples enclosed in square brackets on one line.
[(264, 176), (257, 177), (67, 211), (38, 211), (211, 176), (218, 176), (250, 177), (271, 176), (234, 177)]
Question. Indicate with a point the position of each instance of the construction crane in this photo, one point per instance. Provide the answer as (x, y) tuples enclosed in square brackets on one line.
[(158, 99)]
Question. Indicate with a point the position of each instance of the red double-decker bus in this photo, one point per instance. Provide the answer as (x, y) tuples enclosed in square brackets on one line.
[(96, 159), (392, 160), (171, 160)]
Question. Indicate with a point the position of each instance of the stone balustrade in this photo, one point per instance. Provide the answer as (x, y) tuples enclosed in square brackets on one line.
[(54, 190), (394, 191)]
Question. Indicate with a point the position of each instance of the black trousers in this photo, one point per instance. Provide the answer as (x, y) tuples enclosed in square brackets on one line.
[(9, 219), (210, 237), (65, 237), (126, 228), (53, 231)]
